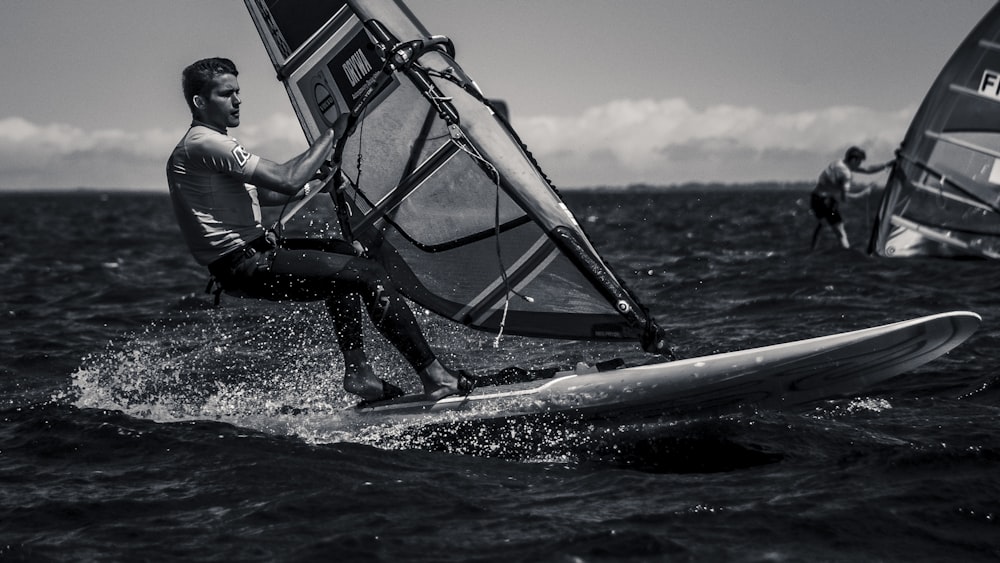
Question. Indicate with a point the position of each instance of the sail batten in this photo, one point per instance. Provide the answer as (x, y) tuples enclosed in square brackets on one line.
[(944, 138), (965, 91), (937, 191), (941, 236), (990, 45), (948, 183), (943, 195)]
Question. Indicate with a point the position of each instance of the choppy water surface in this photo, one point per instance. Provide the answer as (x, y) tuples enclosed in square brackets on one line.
[(141, 423)]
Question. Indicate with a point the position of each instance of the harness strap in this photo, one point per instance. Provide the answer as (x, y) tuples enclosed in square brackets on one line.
[(215, 287), (248, 250)]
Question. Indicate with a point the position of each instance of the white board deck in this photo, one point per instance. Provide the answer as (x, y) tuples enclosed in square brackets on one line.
[(779, 376)]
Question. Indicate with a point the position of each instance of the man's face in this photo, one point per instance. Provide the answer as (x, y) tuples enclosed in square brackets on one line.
[(221, 106)]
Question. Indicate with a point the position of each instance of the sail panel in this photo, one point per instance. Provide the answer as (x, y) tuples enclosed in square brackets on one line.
[(439, 240), (943, 196), (441, 189)]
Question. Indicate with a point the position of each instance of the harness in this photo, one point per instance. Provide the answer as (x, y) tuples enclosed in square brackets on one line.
[(219, 270)]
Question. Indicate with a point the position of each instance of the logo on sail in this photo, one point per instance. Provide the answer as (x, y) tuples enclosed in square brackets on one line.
[(352, 68), (326, 103), (989, 85), (357, 67)]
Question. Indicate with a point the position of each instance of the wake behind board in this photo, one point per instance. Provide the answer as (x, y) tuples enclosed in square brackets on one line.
[(779, 376)]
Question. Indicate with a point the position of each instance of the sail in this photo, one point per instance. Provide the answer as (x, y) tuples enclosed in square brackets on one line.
[(943, 196), (438, 186)]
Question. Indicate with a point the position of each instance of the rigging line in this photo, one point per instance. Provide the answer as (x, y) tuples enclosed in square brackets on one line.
[(508, 290), (940, 198), (361, 134), (868, 210), (343, 209), (500, 264)]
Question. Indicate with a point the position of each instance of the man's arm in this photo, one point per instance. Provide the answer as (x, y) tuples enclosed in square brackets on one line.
[(271, 198), (875, 168), (288, 178), (860, 193)]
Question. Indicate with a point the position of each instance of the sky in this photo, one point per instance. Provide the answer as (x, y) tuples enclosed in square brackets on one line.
[(603, 92)]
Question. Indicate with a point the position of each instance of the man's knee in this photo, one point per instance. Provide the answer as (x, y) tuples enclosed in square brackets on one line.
[(369, 272)]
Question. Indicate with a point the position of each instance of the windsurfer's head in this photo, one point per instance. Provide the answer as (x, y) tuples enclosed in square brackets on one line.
[(855, 153), (211, 91)]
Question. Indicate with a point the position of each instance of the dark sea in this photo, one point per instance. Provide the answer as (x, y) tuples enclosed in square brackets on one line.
[(140, 423)]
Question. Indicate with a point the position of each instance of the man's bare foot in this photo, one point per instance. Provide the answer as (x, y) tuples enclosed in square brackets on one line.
[(440, 382), (359, 377)]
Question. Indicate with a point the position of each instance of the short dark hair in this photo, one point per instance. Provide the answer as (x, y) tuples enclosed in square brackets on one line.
[(855, 152), (199, 73)]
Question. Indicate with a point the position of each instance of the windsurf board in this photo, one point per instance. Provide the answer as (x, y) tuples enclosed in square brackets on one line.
[(780, 376)]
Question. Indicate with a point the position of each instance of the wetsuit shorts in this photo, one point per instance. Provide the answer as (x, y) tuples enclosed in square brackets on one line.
[(826, 208)]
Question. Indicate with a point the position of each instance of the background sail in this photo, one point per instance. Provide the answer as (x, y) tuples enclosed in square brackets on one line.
[(943, 196), (441, 189)]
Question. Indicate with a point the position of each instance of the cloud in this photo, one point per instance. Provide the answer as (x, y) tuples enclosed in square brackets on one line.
[(622, 142), (63, 156), (669, 141)]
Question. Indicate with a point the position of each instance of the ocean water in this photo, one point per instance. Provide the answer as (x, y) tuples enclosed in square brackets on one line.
[(140, 423)]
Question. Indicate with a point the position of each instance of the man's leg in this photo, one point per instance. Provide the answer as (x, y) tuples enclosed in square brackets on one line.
[(841, 232), (306, 274), (818, 206), (359, 377), (816, 231), (394, 319)]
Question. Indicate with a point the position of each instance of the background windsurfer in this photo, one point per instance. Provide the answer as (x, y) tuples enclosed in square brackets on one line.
[(834, 187), (217, 188)]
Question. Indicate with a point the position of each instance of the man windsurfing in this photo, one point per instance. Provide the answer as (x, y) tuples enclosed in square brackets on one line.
[(834, 187), (217, 187)]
